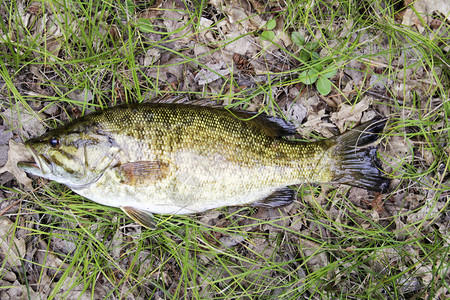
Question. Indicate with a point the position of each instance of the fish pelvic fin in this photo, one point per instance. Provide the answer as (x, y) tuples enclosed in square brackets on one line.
[(357, 163), (142, 217)]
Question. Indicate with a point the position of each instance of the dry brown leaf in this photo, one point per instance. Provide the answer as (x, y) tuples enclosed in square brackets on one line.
[(176, 22), (426, 214), (354, 69), (82, 96), (12, 248), (7, 275), (350, 113), (399, 151), (209, 217), (204, 29), (5, 135), (316, 123), (49, 32), (314, 254), (241, 20), (424, 10), (261, 246), (62, 245), (170, 70), (3, 155), (19, 291), (23, 121), (17, 152), (358, 196), (212, 72), (385, 257), (316, 117), (151, 57), (296, 113), (243, 45), (69, 289), (230, 241)]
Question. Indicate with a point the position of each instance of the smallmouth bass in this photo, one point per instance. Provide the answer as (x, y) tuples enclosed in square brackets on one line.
[(180, 159)]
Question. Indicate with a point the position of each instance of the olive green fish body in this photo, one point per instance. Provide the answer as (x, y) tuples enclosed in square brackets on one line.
[(177, 159), (194, 159)]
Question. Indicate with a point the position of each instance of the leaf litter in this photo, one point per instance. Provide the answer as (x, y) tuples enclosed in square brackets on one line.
[(226, 55)]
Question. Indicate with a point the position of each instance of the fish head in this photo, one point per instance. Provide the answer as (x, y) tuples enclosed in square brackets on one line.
[(76, 155)]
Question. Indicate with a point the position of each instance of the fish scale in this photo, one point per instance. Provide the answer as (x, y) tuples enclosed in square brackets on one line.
[(176, 159)]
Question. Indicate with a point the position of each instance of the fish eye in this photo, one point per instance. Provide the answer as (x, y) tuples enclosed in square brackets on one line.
[(54, 141)]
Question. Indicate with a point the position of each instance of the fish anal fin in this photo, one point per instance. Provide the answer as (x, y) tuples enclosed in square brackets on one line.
[(143, 172), (142, 217), (278, 198)]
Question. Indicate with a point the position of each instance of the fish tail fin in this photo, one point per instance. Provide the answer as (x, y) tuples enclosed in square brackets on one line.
[(359, 165)]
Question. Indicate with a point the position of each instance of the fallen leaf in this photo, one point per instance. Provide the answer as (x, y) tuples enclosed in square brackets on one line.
[(242, 45), (3, 155), (350, 113), (231, 240), (17, 152), (18, 291), (49, 32), (82, 96), (314, 254), (399, 152), (11, 247), (296, 113), (423, 11), (23, 121), (212, 72), (5, 135)]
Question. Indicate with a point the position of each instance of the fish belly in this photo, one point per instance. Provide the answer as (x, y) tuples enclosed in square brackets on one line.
[(194, 183)]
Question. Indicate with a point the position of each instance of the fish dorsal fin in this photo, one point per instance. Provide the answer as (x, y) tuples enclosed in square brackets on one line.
[(278, 198), (142, 172), (184, 99), (142, 217), (272, 126)]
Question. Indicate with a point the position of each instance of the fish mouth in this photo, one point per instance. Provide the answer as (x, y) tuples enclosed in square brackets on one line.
[(40, 166)]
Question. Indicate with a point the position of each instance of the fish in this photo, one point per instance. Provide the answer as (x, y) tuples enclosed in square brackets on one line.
[(178, 158)]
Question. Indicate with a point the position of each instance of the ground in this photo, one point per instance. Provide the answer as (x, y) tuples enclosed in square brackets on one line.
[(326, 66)]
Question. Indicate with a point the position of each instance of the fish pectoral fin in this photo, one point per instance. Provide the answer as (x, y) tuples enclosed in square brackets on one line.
[(278, 198), (143, 172), (142, 217)]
